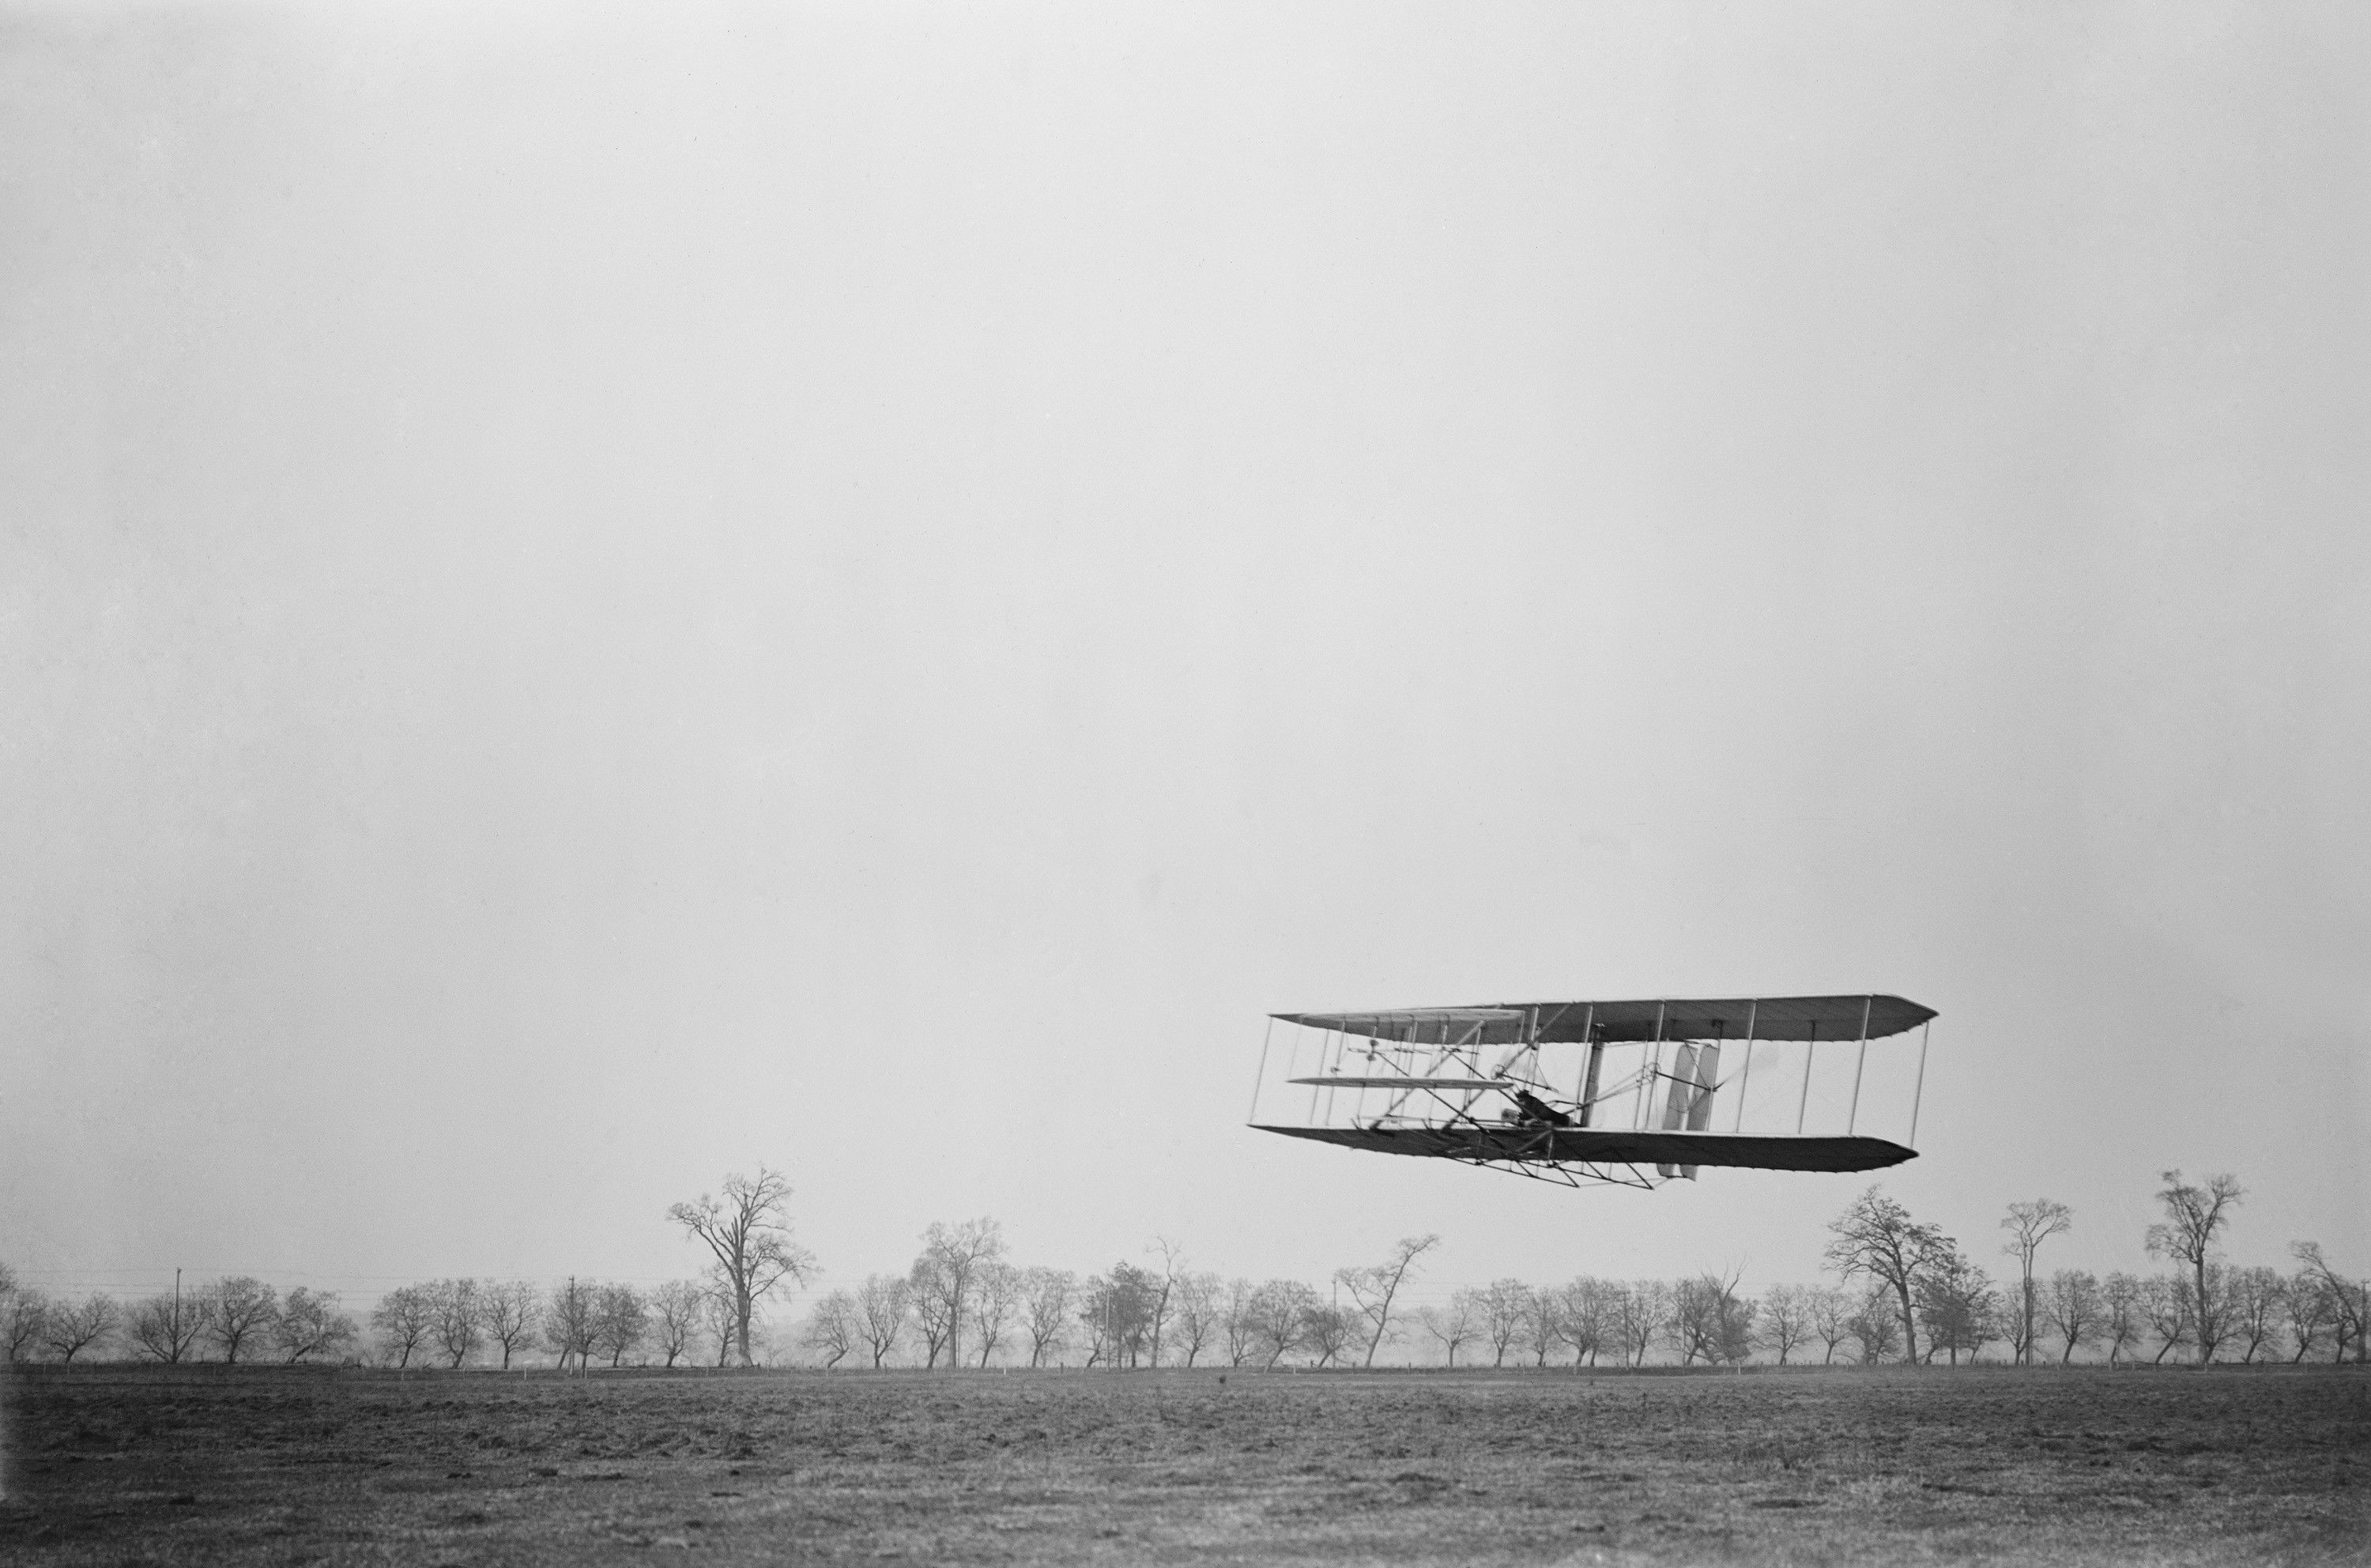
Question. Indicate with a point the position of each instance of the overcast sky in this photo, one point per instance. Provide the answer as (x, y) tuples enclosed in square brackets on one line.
[(588, 602)]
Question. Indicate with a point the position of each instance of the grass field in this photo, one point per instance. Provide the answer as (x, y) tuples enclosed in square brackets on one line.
[(208, 1465)]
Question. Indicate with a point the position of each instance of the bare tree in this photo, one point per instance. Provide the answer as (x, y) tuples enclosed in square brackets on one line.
[(1329, 1331), (1457, 1323), (1506, 1304), (1708, 1320), (2121, 1315), (1958, 1305), (884, 1304), (1200, 1307), (1163, 1295), (166, 1325), (2193, 1215), (2031, 1224), (675, 1316), (70, 1327), (569, 1320), (947, 1276), (2348, 1302), (833, 1328), (2307, 1313), (1877, 1239), (719, 1316), (620, 1317), (311, 1323), (1373, 1288), (2255, 1297), (1874, 1324), (1830, 1312), (1543, 1324), (404, 1318), (1786, 1318), (1639, 1313), (748, 1230), (1585, 1316), (512, 1310), (240, 1313), (24, 1322), (1240, 1322), (1280, 1311), (996, 1299), (460, 1315), (2165, 1305), (1048, 1295), (2074, 1307)]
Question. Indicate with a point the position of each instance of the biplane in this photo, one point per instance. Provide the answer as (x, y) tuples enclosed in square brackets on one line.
[(1574, 1093)]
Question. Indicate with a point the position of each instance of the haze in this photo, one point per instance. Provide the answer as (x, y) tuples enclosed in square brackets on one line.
[(594, 599)]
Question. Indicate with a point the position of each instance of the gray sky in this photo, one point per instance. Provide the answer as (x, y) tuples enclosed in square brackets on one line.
[(588, 602)]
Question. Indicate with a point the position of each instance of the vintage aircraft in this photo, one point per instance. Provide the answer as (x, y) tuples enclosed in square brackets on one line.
[(1488, 1085)]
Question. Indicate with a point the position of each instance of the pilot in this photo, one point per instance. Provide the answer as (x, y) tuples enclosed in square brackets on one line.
[(1537, 1112)]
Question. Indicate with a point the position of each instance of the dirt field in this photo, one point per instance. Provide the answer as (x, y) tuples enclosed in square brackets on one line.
[(199, 1466)]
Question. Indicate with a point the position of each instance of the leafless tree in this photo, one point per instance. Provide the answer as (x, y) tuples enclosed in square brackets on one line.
[(2030, 1224), (1958, 1305), (2072, 1305), (934, 1313), (1639, 1315), (675, 1316), (513, 1310), (1708, 1320), (70, 1327), (2307, 1313), (1585, 1317), (748, 1230), (2193, 1215), (240, 1312), (405, 1318), (1373, 1288), (1830, 1311), (310, 1324), (1280, 1311), (833, 1328), (620, 1317), (1877, 1239), (461, 1313), (720, 1317), (2165, 1305), (1786, 1318), (997, 1298), (569, 1322), (1329, 1331), (1200, 1307), (2254, 1295), (1456, 1323), (1048, 1295), (1239, 1323), (883, 1307), (2349, 1302), (946, 1278), (1874, 1323), (1162, 1298), (1506, 1305), (166, 1325), (24, 1322), (1543, 1324), (2121, 1316)]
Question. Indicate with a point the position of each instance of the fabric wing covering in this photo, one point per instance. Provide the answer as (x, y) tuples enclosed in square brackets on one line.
[(1671, 1018)]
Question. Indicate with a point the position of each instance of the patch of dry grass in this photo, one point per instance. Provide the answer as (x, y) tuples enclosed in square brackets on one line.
[(1991, 1465)]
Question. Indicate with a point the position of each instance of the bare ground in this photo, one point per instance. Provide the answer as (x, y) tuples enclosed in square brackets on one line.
[(205, 1465)]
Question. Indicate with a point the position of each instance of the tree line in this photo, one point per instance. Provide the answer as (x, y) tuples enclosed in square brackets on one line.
[(1905, 1292)]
